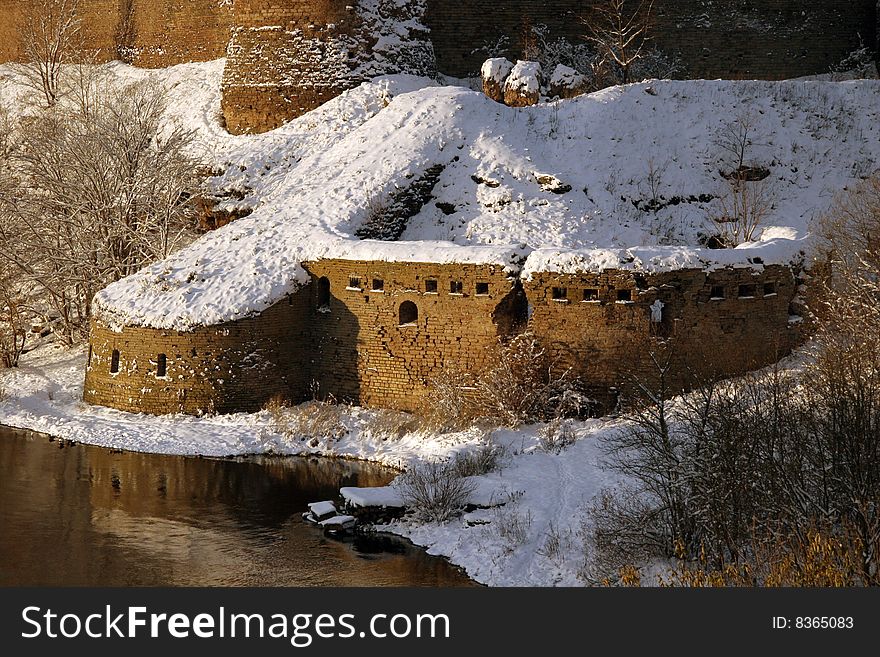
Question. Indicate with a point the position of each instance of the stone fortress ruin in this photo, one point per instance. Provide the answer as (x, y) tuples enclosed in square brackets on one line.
[(286, 57), (376, 332)]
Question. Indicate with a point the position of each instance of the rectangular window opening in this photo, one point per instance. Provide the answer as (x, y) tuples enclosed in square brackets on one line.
[(431, 287), (747, 291), (591, 294), (456, 287), (482, 289), (378, 285), (161, 365), (114, 362), (624, 295), (560, 294), (354, 283), (769, 289), (717, 292)]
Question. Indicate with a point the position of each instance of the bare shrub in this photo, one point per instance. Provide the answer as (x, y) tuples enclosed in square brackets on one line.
[(619, 30), (313, 421), (510, 523), (50, 40), (743, 207), (389, 424), (556, 436), (745, 200), (523, 386), (555, 544), (486, 458), (434, 491)]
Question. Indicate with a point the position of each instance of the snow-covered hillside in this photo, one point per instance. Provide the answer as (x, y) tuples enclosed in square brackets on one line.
[(626, 177)]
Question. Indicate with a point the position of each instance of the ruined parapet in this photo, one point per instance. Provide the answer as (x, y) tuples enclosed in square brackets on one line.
[(287, 57), (523, 86), (603, 326), (150, 33), (494, 73), (567, 83)]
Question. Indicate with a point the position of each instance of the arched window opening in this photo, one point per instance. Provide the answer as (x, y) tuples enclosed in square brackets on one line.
[(114, 362), (409, 313), (161, 365), (323, 293)]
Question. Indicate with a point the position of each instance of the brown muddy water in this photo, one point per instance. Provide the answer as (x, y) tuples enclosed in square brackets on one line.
[(74, 515)]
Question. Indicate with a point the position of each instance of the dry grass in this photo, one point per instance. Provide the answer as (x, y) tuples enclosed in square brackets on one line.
[(312, 421), (390, 425)]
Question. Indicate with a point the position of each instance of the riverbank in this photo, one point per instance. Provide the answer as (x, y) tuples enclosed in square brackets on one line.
[(532, 535)]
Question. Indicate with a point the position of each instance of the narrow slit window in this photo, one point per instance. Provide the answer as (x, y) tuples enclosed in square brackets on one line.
[(717, 292), (591, 294), (560, 294), (161, 365), (90, 356), (456, 287), (769, 289), (323, 292), (354, 283), (114, 362), (747, 291), (193, 353), (431, 287), (482, 289), (378, 285), (409, 313), (624, 295)]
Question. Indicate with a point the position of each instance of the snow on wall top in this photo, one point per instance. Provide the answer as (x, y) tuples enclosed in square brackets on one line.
[(595, 182)]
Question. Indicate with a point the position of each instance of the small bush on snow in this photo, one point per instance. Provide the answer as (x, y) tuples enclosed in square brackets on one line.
[(435, 492), (312, 421), (484, 459), (390, 425), (556, 436)]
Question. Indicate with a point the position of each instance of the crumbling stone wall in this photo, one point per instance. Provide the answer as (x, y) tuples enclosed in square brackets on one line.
[(349, 334), (763, 39), (232, 367), (285, 59), (351, 346), (149, 33), (720, 323), (362, 353)]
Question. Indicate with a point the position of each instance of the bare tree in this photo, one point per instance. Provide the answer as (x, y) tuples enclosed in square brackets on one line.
[(747, 197), (107, 187), (51, 38), (619, 29)]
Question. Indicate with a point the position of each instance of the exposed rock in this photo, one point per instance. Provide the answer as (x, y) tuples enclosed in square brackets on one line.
[(567, 83), (523, 85), (495, 72)]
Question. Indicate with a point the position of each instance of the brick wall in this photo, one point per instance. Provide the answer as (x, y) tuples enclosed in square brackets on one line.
[(765, 39), (354, 348), (150, 33), (353, 345), (285, 59), (607, 338), (362, 353), (232, 367)]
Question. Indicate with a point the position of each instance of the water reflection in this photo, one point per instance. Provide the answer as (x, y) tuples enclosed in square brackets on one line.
[(77, 515)]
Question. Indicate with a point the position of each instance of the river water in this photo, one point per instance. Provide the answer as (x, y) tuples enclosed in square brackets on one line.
[(79, 515)]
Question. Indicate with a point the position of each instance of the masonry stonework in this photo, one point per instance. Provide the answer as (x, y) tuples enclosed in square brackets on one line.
[(286, 57), (719, 323), (377, 334)]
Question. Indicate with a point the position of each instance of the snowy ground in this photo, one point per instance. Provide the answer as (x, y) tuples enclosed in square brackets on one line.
[(544, 494), (627, 176)]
